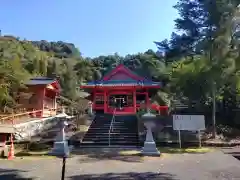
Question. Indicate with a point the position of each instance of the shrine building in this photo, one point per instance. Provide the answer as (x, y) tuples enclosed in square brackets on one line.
[(123, 91), (42, 92)]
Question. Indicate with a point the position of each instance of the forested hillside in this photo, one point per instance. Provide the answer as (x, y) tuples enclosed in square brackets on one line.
[(199, 64)]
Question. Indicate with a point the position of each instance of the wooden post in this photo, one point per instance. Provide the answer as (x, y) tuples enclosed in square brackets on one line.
[(179, 139), (93, 100), (147, 99), (55, 102), (134, 101), (105, 101), (199, 139), (43, 98)]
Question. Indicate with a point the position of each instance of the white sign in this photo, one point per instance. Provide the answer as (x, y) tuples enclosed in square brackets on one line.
[(189, 122)]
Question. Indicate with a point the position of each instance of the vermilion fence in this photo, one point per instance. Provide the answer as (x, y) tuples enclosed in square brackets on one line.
[(24, 117), (163, 110)]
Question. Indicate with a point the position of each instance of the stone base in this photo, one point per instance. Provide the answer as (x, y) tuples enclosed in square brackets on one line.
[(60, 149), (150, 149)]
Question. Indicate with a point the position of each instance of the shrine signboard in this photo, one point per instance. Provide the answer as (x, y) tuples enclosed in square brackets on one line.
[(188, 122)]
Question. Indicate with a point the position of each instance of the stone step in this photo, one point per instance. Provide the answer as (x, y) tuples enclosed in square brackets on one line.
[(122, 146), (92, 135), (107, 143), (113, 138), (116, 147), (117, 130), (113, 135), (123, 132)]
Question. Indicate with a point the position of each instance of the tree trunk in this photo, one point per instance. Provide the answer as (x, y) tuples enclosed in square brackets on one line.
[(214, 111)]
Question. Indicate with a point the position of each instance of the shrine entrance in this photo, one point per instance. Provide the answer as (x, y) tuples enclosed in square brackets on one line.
[(122, 103)]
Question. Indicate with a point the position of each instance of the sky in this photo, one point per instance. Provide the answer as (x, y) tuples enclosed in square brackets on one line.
[(96, 27)]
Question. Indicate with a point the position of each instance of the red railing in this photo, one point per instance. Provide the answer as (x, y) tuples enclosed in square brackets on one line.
[(163, 110), (23, 117)]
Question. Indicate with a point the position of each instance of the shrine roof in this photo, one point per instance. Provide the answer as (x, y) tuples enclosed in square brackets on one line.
[(122, 83), (40, 81), (129, 74), (122, 76), (50, 83)]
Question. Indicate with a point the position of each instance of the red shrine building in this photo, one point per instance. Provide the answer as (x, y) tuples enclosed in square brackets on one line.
[(43, 94), (123, 91)]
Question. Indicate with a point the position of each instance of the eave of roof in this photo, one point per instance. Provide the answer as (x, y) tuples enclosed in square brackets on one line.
[(121, 83), (44, 81), (40, 81)]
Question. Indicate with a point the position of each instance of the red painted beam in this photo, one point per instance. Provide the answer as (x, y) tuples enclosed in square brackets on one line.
[(119, 87)]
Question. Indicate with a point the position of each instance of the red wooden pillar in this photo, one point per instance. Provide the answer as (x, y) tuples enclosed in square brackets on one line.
[(42, 101), (93, 99), (147, 99), (105, 100), (134, 101)]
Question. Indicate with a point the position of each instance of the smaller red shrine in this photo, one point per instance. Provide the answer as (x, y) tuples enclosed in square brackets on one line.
[(44, 92), (121, 90)]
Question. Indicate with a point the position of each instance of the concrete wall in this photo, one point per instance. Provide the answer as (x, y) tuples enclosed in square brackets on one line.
[(25, 131)]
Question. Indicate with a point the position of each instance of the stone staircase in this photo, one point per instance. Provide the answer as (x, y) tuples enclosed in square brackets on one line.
[(124, 132)]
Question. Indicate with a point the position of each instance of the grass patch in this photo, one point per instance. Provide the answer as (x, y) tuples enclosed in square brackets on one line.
[(30, 153), (129, 153), (169, 150)]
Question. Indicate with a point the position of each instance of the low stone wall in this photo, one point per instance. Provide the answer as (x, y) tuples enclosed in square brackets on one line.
[(25, 131)]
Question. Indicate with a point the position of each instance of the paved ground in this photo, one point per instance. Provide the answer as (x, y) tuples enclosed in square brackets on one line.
[(209, 166)]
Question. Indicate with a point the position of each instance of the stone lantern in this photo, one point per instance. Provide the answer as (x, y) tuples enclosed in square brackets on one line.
[(60, 148), (149, 148)]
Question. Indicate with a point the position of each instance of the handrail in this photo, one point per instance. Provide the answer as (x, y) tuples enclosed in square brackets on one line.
[(5, 119), (111, 127)]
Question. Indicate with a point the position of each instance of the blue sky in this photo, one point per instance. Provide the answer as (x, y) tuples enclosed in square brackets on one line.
[(96, 27)]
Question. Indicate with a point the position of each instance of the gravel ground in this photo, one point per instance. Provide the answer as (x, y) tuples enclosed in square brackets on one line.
[(209, 166)]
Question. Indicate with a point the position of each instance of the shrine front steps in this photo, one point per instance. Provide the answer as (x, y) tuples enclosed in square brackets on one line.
[(123, 134)]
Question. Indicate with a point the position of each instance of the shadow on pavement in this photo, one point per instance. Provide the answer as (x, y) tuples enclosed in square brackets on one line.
[(236, 155), (125, 176), (233, 151), (12, 174), (95, 154)]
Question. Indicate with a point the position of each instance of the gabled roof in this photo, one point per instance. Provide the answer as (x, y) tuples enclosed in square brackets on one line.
[(124, 77), (40, 81), (50, 83), (124, 69)]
